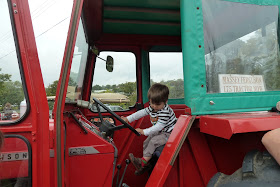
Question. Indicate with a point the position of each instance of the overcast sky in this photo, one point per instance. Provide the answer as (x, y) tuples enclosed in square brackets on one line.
[(50, 19)]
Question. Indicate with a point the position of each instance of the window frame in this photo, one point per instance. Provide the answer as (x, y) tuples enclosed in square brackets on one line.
[(167, 49), (29, 150), (196, 96), (136, 52), (20, 66)]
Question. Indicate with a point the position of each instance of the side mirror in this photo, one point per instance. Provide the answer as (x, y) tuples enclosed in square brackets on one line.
[(109, 63)]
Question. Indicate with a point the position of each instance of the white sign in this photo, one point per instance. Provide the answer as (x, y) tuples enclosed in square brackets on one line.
[(87, 150), (14, 156), (230, 83)]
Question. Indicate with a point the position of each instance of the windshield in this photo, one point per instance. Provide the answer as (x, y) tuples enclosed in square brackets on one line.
[(78, 66), (116, 89), (241, 47)]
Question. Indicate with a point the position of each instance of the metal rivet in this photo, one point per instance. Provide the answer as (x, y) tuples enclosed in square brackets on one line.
[(15, 11), (211, 103), (14, 5)]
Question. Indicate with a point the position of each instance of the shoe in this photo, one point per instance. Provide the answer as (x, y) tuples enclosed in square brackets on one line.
[(143, 169), (135, 161)]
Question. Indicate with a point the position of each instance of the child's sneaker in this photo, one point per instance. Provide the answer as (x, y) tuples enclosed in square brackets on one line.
[(135, 161), (143, 169)]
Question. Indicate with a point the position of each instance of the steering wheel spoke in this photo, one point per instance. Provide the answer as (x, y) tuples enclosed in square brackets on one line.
[(109, 128)]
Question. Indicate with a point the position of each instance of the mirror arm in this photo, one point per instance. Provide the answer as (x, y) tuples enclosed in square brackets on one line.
[(101, 58)]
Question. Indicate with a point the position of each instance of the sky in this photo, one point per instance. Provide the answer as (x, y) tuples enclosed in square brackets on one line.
[(50, 19)]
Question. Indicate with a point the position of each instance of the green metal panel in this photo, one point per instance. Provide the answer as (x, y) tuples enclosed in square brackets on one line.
[(139, 28), (162, 4), (196, 96), (142, 17), (145, 75), (173, 17)]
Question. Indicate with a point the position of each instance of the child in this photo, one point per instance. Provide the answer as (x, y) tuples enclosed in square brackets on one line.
[(163, 119)]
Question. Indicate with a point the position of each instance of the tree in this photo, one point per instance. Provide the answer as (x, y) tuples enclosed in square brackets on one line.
[(96, 87), (12, 93), (4, 78), (51, 89), (128, 88), (72, 82)]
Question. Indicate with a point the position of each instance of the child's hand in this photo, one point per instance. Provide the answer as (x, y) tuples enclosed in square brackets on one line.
[(125, 119), (140, 131)]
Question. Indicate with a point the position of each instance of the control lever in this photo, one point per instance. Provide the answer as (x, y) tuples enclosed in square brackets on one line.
[(127, 161), (119, 168)]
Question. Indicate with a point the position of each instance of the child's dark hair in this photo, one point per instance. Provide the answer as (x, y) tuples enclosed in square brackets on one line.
[(158, 93)]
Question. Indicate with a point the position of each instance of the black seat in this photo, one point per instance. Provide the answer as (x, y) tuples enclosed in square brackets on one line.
[(158, 151), (155, 157)]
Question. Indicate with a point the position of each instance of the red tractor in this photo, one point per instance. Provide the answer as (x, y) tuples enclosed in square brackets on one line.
[(220, 60)]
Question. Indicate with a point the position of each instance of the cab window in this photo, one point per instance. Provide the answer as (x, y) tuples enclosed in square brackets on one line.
[(241, 52), (167, 68), (12, 97), (78, 66), (116, 89)]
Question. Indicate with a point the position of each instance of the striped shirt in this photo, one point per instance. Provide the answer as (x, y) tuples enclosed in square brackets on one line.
[(162, 120)]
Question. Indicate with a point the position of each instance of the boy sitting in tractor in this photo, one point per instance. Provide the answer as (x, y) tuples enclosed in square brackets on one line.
[(163, 119)]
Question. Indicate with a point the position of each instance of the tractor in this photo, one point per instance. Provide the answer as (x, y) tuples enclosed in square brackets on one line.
[(219, 58)]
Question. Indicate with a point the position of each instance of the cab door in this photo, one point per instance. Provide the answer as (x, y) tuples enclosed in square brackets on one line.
[(24, 118), (59, 130)]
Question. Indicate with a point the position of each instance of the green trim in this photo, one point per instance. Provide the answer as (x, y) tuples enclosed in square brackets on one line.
[(145, 74), (137, 28), (162, 4), (147, 16), (196, 96), (176, 101)]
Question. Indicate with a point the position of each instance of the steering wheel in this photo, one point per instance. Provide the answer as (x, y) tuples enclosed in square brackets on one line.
[(108, 127)]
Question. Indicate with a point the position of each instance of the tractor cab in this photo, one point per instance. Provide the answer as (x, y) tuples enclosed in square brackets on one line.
[(219, 58)]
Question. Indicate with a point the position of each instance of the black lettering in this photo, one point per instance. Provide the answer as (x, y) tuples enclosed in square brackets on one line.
[(83, 151), (9, 156), (24, 155), (16, 156)]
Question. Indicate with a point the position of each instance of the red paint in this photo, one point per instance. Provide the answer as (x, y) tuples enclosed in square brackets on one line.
[(216, 143), (163, 166), (226, 125), (36, 122)]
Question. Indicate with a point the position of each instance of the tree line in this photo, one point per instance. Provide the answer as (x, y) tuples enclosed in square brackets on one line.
[(11, 92)]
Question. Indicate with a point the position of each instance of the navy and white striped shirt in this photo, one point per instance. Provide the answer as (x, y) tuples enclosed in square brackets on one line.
[(162, 120)]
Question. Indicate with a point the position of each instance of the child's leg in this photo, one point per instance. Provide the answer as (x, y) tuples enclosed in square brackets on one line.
[(154, 142)]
